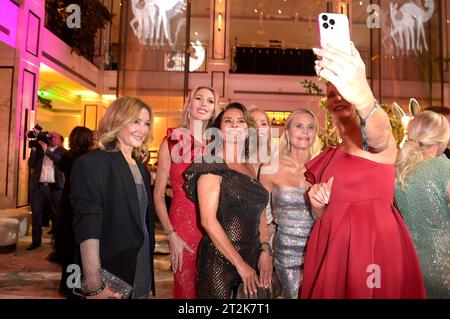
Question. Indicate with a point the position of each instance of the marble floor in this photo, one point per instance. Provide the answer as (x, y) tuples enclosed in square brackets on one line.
[(29, 275)]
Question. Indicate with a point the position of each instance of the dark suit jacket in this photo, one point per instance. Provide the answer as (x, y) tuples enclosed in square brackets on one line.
[(105, 207), (35, 164)]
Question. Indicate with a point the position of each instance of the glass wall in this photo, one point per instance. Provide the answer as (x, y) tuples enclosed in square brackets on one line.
[(408, 51), (151, 57)]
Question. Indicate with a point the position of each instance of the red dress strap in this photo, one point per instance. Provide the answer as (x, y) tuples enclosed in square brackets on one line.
[(182, 145), (316, 166)]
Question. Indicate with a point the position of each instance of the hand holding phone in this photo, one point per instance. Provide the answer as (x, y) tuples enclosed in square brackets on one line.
[(341, 63), (334, 31)]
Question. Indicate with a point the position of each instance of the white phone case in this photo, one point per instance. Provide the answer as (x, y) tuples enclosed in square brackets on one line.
[(334, 31)]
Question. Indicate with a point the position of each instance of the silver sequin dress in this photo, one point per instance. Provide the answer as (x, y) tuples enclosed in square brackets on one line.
[(294, 224), (425, 209)]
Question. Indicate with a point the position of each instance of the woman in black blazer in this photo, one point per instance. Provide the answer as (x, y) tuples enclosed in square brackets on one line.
[(113, 205)]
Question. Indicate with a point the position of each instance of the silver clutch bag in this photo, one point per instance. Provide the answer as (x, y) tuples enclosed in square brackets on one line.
[(111, 281), (116, 284)]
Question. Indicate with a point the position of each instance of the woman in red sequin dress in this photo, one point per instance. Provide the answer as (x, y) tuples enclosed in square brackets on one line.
[(359, 246), (181, 224)]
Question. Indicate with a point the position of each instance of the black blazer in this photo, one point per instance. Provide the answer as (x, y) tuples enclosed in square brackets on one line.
[(105, 207), (35, 164)]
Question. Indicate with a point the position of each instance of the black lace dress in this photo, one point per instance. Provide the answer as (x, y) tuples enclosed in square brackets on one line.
[(242, 199)]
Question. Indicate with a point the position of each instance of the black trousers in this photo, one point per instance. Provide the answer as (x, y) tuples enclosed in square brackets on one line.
[(44, 196)]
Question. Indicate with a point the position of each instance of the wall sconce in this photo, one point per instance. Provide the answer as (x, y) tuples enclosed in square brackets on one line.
[(219, 21), (219, 15), (343, 7)]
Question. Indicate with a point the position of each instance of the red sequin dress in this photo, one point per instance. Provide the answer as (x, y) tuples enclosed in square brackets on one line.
[(360, 246), (183, 213)]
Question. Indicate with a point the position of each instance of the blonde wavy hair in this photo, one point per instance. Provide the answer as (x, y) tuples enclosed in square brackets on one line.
[(426, 129), (120, 113), (315, 148), (187, 105)]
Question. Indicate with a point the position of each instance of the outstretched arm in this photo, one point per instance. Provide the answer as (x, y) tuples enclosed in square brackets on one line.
[(347, 73)]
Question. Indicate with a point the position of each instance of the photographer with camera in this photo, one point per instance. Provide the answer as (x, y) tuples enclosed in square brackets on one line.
[(46, 179)]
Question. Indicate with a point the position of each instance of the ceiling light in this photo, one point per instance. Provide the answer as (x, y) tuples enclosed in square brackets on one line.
[(279, 11)]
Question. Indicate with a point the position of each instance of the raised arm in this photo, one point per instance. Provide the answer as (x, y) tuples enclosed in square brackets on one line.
[(208, 190), (347, 73), (176, 244)]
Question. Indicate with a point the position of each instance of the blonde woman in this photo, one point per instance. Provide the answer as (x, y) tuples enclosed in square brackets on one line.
[(262, 124), (288, 187), (422, 194), (113, 205), (177, 151)]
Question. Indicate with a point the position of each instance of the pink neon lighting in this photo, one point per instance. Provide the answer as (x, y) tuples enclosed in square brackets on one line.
[(9, 18)]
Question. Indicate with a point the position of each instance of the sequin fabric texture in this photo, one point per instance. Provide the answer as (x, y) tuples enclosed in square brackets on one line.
[(294, 224), (425, 209), (242, 200), (183, 213)]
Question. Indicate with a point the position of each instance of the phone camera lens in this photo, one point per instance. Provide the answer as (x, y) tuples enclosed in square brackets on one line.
[(325, 25), (332, 22), (324, 17)]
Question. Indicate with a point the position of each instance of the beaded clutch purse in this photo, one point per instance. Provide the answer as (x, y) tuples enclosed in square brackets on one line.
[(116, 284), (112, 282)]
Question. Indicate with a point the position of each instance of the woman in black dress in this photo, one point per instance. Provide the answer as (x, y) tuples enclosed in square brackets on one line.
[(231, 201)]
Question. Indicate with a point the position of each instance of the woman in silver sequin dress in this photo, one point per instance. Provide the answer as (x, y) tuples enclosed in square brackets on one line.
[(287, 186), (422, 194)]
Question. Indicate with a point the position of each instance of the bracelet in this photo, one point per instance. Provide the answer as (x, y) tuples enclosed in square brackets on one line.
[(94, 293), (170, 232), (363, 124), (269, 248)]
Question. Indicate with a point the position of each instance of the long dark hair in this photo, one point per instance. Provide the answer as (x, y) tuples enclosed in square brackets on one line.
[(248, 119), (80, 139)]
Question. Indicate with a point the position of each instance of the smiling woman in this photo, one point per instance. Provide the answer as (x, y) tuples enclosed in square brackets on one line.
[(180, 222), (113, 205)]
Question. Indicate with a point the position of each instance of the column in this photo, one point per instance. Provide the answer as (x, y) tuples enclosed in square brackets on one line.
[(219, 55), (25, 65)]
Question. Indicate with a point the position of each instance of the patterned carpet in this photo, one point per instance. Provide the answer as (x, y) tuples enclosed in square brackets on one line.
[(29, 275)]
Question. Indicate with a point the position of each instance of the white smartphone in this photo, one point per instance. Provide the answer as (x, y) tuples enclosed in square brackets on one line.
[(334, 31)]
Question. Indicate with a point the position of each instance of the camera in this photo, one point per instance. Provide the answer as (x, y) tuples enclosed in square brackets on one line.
[(36, 135), (331, 21)]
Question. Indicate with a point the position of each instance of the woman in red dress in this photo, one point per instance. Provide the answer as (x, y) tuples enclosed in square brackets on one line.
[(177, 151), (359, 246)]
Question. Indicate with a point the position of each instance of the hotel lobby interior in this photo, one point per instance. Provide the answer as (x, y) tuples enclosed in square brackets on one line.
[(60, 70)]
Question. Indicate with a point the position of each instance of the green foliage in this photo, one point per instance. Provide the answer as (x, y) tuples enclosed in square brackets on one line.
[(94, 16), (329, 135), (398, 130)]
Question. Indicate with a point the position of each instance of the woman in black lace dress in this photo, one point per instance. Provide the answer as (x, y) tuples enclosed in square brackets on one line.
[(231, 201)]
